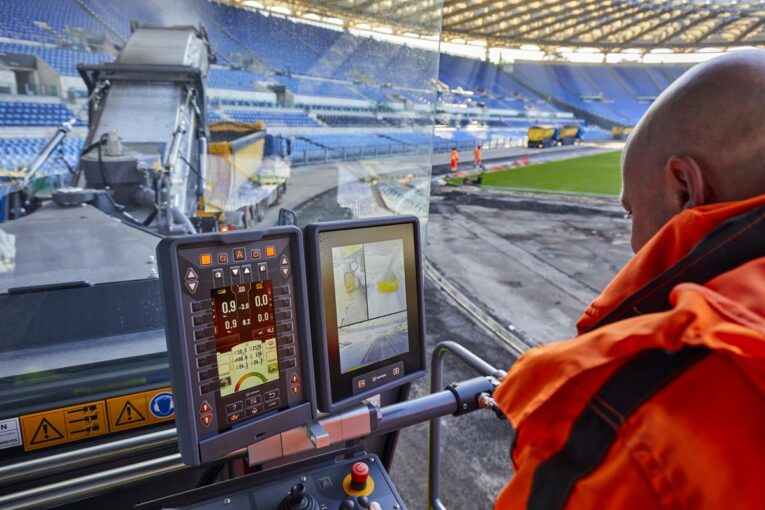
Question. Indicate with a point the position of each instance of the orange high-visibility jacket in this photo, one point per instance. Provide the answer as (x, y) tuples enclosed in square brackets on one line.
[(698, 442), (455, 156), (477, 155)]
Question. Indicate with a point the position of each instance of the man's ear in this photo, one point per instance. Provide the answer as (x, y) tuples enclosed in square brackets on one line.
[(686, 181)]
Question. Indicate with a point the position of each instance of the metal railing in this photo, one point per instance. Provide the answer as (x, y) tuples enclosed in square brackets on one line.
[(302, 157)]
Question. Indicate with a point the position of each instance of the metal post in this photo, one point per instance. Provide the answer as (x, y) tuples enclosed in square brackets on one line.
[(436, 384)]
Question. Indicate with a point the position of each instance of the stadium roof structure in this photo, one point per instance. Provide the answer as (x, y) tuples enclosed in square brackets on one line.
[(608, 25)]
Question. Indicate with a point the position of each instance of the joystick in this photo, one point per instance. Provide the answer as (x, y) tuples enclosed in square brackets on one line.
[(348, 504), (297, 499)]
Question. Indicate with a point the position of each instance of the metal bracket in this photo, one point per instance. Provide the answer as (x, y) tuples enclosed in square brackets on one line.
[(317, 434)]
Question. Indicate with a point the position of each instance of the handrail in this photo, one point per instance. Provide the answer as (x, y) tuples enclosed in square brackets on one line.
[(86, 456), (436, 383)]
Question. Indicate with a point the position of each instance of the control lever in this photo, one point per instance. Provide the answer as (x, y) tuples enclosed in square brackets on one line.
[(297, 499)]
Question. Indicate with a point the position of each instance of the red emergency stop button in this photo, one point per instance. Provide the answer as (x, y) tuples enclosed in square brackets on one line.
[(359, 475)]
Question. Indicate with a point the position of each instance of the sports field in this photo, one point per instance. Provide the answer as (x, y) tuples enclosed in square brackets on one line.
[(598, 174)]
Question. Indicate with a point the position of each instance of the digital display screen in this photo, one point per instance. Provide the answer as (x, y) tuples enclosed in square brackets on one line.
[(370, 302), (245, 336)]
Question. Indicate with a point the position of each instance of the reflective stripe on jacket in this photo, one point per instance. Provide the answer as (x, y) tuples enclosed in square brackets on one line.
[(699, 442)]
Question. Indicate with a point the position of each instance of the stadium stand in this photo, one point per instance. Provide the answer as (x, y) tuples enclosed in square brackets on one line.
[(14, 113), (274, 118), (332, 75), (15, 153)]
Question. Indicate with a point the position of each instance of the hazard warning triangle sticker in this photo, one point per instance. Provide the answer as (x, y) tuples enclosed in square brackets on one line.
[(129, 414), (45, 432)]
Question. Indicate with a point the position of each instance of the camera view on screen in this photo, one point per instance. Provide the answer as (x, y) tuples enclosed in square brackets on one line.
[(370, 298)]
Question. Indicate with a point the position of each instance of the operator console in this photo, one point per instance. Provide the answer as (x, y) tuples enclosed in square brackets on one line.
[(237, 325), (238, 340), (356, 483)]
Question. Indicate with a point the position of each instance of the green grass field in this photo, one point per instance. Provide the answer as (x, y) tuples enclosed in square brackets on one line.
[(598, 174)]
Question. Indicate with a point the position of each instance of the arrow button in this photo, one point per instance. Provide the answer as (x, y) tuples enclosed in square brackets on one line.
[(191, 274), (192, 285), (285, 271)]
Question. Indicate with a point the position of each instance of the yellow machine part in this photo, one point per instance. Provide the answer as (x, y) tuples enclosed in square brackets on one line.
[(387, 286), (541, 133), (569, 131)]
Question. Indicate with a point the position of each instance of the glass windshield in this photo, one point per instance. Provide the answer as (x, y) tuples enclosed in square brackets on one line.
[(124, 122)]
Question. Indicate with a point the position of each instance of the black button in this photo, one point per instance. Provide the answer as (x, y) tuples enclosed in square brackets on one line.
[(287, 351), (257, 399), (222, 258), (290, 363), (239, 254), (282, 291), (325, 482), (210, 387), (284, 328), (283, 302), (204, 362), (285, 340), (205, 347), (273, 404), (235, 417), (270, 395), (199, 320), (203, 333), (252, 411), (207, 374), (234, 407), (196, 306), (283, 316)]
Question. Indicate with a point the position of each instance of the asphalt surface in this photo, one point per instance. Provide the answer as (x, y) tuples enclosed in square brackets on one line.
[(474, 447)]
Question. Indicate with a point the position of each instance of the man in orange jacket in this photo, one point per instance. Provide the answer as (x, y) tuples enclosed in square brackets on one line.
[(660, 401)]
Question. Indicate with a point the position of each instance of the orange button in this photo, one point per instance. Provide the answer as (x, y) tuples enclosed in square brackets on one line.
[(205, 259), (270, 251)]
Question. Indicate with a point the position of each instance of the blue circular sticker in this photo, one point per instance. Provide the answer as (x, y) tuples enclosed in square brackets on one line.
[(161, 405)]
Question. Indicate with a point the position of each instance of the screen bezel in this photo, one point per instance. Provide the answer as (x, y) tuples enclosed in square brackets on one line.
[(336, 392)]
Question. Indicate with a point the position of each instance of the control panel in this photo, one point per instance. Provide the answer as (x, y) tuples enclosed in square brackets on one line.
[(238, 339), (358, 483), (366, 286)]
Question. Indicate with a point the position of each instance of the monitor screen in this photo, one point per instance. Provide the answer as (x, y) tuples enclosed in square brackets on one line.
[(245, 336), (366, 276), (370, 301)]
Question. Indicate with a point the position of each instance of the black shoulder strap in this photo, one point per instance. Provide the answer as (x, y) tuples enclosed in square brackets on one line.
[(594, 431)]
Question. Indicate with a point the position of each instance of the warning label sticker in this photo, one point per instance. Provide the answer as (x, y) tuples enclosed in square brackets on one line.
[(140, 409), (127, 412), (10, 435), (59, 426)]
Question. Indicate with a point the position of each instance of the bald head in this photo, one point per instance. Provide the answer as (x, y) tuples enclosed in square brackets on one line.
[(702, 141)]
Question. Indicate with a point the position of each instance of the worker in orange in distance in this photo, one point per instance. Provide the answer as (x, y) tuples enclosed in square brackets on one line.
[(454, 158), (477, 156), (660, 400)]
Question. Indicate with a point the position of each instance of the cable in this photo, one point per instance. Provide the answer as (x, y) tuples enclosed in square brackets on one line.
[(191, 167), (102, 141)]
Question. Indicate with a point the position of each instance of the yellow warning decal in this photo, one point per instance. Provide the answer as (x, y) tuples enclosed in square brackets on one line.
[(59, 426), (50, 428), (140, 409)]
